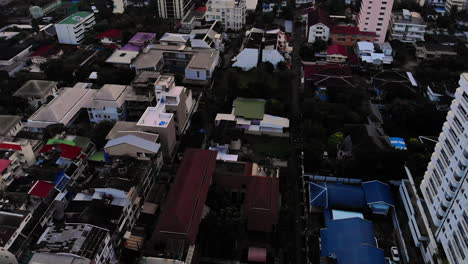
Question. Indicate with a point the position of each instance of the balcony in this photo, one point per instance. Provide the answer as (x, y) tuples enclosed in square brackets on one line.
[(452, 187)]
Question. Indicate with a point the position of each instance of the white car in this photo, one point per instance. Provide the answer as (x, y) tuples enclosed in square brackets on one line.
[(395, 254)]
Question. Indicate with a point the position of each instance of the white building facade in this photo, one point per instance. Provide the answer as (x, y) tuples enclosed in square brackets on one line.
[(176, 9), (71, 29), (407, 26), (444, 187), (231, 13), (119, 6), (459, 4)]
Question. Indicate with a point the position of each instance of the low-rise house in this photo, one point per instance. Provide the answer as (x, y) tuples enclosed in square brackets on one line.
[(84, 240), (11, 125), (16, 46), (197, 64), (139, 41), (206, 38), (110, 37), (134, 146), (122, 58), (337, 53), (194, 18), (140, 94), (108, 103), (45, 53), (249, 116), (41, 8), (430, 51), (15, 156), (350, 35), (37, 92), (368, 53), (407, 26), (318, 25), (71, 29)]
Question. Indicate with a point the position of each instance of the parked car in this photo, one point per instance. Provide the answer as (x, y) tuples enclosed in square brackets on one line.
[(395, 254)]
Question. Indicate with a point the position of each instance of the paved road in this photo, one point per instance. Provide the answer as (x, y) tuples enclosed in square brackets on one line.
[(294, 180)]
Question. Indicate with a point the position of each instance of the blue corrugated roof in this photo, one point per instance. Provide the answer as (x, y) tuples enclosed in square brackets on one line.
[(318, 194), (377, 192), (342, 196), (398, 143), (351, 241)]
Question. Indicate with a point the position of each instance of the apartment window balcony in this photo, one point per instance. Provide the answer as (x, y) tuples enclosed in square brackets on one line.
[(452, 187), (439, 216), (448, 198)]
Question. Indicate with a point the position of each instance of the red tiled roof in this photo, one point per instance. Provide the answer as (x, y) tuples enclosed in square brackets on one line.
[(257, 255), (327, 69), (318, 15), (111, 33), (349, 30), (262, 203), (67, 151), (41, 189), (337, 49), (10, 146), (44, 50), (183, 209), (4, 163), (201, 9)]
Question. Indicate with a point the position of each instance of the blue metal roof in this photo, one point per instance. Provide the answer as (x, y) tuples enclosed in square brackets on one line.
[(377, 192), (351, 241), (398, 143), (318, 194), (343, 196)]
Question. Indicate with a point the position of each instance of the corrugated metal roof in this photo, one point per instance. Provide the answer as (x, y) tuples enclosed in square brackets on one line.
[(135, 141)]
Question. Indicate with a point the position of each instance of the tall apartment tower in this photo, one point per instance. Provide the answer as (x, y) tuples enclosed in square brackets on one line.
[(460, 4), (175, 9), (445, 184), (375, 17)]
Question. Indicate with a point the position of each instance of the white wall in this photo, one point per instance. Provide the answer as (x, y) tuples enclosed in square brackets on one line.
[(318, 31)]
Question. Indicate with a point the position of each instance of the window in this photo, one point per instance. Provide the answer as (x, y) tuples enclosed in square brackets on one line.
[(367, 18), (382, 13), (379, 24), (380, 19), (383, 8), (368, 13), (449, 147)]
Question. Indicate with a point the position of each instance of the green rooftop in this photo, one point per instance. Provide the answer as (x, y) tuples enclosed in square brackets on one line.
[(249, 108), (98, 156), (75, 18)]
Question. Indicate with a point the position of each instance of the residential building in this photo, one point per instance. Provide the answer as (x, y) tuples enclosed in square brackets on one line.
[(45, 258), (140, 94), (269, 46), (318, 25), (110, 37), (139, 41), (158, 120), (174, 9), (445, 182), (304, 2), (108, 103), (231, 13), (407, 26), (429, 51), (43, 7), (37, 92), (119, 6), (71, 29), (374, 17), (15, 156), (337, 53), (11, 125), (122, 58), (368, 53), (134, 146), (15, 47), (460, 5), (177, 99), (350, 35), (44, 54), (249, 115), (193, 19), (197, 64), (84, 240)]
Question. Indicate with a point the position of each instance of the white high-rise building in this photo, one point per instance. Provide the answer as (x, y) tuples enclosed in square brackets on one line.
[(174, 9), (460, 4), (231, 13), (71, 30), (445, 183)]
